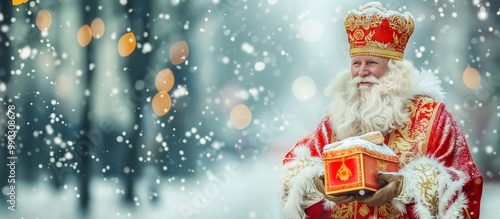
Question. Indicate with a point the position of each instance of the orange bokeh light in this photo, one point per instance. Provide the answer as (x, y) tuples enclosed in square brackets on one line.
[(18, 2), (164, 81), (84, 35), (162, 103), (179, 52), (43, 20), (97, 26), (240, 116), (471, 78), (126, 44)]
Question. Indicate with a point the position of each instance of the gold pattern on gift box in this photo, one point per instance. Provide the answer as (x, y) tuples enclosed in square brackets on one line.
[(343, 173), (381, 166), (358, 150)]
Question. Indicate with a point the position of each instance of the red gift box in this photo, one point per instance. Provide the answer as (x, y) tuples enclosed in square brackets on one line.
[(354, 170)]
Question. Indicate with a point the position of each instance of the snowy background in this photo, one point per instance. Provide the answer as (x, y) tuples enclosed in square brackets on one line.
[(248, 85)]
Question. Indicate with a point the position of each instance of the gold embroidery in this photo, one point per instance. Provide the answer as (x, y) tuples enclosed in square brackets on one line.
[(427, 181), (364, 210), (352, 21), (400, 24), (294, 171), (359, 34), (344, 211), (344, 173), (388, 211), (410, 142)]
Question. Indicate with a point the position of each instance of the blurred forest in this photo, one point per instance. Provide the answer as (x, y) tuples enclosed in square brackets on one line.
[(247, 83)]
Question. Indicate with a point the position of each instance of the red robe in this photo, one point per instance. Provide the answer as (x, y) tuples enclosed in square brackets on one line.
[(433, 154)]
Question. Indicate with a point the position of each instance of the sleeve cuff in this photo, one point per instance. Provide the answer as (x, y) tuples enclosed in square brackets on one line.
[(299, 191), (432, 188)]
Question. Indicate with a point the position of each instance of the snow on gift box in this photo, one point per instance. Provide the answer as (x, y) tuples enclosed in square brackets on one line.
[(351, 165)]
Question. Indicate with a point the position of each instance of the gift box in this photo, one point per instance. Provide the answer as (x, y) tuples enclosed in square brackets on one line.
[(352, 165)]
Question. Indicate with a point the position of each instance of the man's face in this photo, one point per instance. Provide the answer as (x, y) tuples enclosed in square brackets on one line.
[(365, 66)]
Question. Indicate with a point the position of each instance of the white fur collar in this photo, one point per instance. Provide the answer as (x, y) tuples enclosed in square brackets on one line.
[(428, 84)]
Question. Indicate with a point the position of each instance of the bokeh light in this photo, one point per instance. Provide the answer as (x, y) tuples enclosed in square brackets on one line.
[(482, 14), (164, 81), (304, 88), (126, 44), (179, 52), (97, 26), (259, 66), (311, 30), (162, 103), (240, 116), (471, 78), (43, 20), (18, 2), (84, 35)]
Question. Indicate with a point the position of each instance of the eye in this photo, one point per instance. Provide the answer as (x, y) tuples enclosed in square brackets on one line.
[(355, 63)]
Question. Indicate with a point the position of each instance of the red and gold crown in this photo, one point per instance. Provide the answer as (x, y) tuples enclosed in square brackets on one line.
[(376, 31)]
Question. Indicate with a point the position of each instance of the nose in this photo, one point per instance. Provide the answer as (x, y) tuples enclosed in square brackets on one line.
[(363, 70)]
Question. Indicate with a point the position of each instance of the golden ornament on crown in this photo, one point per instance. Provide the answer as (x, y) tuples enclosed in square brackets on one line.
[(376, 31)]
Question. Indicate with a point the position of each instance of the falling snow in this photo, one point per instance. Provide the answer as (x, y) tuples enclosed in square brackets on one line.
[(247, 84)]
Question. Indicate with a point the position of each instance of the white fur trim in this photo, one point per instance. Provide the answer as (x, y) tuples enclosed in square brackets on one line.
[(297, 177), (400, 206), (439, 184), (428, 84), (328, 205)]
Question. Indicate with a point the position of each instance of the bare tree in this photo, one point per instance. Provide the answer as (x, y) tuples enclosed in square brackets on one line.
[(84, 144), (5, 54)]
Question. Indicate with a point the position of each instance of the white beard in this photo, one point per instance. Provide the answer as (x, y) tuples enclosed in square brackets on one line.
[(381, 106)]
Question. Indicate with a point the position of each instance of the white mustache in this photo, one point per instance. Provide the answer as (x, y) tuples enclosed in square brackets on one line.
[(370, 79)]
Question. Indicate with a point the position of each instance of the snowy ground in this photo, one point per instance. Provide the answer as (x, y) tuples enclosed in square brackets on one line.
[(235, 190)]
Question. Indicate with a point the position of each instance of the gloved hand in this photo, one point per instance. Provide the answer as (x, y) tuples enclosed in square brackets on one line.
[(319, 182), (392, 185)]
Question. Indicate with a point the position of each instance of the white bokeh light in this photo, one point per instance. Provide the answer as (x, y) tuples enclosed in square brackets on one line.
[(259, 66), (482, 14), (272, 2), (311, 30), (304, 88)]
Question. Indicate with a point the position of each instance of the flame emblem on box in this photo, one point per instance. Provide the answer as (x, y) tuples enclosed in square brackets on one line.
[(343, 173)]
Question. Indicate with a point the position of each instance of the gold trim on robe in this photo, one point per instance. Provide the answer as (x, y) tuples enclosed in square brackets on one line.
[(409, 142)]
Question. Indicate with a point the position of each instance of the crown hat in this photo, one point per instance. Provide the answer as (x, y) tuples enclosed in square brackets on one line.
[(376, 31)]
